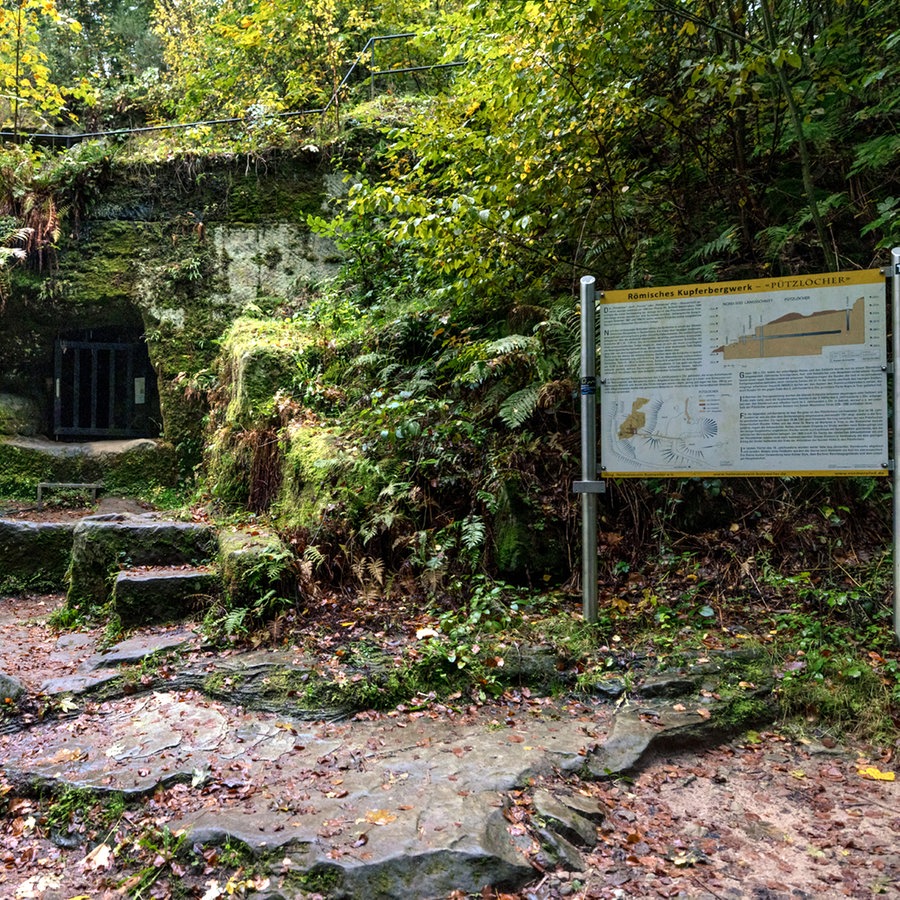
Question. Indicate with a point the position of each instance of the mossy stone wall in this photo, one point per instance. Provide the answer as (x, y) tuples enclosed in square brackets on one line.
[(175, 252)]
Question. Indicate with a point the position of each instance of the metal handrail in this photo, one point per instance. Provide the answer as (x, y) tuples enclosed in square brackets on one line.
[(68, 140)]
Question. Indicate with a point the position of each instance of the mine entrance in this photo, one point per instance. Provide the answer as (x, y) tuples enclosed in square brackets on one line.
[(103, 389)]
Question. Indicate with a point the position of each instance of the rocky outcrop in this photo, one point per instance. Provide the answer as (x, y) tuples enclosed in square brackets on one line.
[(34, 555)]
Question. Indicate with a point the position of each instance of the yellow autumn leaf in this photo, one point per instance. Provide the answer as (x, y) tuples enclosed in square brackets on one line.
[(380, 817), (876, 774)]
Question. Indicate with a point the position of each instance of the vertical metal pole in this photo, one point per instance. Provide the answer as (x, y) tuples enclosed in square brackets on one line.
[(94, 374), (895, 354), (588, 449)]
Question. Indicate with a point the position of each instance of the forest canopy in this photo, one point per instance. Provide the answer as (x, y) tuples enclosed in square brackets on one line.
[(649, 139)]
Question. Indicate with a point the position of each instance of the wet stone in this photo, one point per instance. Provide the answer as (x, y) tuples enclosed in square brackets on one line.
[(78, 683), (563, 820), (668, 685), (11, 688), (138, 648)]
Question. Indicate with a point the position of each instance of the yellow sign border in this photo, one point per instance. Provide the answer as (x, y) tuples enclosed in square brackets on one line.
[(750, 286)]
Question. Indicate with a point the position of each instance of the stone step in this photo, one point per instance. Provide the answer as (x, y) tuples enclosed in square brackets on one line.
[(104, 544), (153, 595)]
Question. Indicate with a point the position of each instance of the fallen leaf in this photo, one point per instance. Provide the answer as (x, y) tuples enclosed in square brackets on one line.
[(213, 891), (101, 857), (380, 817), (423, 633), (875, 774)]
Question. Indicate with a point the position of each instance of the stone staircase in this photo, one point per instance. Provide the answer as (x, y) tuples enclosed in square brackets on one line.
[(144, 569), (141, 569)]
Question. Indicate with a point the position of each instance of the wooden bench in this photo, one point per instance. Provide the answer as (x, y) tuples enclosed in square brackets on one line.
[(66, 485)]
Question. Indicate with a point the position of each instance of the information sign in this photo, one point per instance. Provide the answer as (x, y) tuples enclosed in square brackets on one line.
[(770, 376)]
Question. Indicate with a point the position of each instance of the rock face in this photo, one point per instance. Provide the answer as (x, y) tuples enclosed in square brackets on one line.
[(34, 555), (19, 415), (253, 564), (11, 688)]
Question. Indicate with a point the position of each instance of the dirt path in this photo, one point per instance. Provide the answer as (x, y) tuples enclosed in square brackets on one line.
[(434, 801)]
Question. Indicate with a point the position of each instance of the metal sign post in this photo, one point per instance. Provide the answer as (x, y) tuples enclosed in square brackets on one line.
[(588, 487), (895, 362)]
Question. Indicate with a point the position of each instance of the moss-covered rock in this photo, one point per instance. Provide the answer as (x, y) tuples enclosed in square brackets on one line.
[(259, 360), (34, 555), (104, 545), (255, 564), (124, 467), (157, 595), (19, 415), (317, 478)]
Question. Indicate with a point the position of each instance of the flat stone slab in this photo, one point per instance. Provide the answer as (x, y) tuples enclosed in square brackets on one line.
[(138, 648), (378, 805), (79, 683), (85, 449)]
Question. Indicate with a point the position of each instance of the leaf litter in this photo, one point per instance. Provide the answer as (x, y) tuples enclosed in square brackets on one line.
[(763, 816)]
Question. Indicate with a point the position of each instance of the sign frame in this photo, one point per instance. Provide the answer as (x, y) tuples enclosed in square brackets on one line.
[(762, 377)]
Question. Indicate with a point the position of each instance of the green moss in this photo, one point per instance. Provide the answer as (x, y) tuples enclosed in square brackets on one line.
[(219, 684), (319, 880), (34, 557), (99, 270), (316, 470), (140, 471), (742, 712), (260, 359), (134, 472)]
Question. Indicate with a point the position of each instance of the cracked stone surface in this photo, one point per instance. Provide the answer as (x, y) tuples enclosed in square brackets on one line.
[(399, 800)]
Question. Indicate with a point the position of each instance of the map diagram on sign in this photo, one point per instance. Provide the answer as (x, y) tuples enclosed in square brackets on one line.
[(795, 334), (661, 432)]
